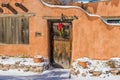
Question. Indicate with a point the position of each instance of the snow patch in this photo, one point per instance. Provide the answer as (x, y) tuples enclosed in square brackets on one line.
[(15, 72), (16, 61), (25, 61), (94, 65)]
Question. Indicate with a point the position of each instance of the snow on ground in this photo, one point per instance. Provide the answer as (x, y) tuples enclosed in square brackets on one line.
[(98, 78), (16, 66), (25, 61), (55, 74), (102, 67), (97, 65), (58, 74), (16, 72)]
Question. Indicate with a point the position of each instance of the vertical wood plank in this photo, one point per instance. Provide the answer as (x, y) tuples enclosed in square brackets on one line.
[(16, 31), (20, 29), (12, 30), (22, 32), (1, 31), (4, 29), (27, 30), (8, 30), (10, 37), (25, 26)]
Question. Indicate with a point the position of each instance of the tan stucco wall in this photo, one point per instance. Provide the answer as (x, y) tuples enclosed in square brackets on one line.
[(104, 8), (91, 37), (95, 39)]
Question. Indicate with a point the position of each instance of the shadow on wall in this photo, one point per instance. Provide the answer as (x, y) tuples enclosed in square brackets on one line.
[(115, 3), (109, 27), (21, 6), (94, 5), (1, 10), (7, 5)]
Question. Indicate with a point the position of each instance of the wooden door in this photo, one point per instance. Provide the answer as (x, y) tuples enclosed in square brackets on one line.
[(61, 43)]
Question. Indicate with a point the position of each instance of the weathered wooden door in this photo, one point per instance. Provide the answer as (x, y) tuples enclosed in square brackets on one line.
[(61, 43)]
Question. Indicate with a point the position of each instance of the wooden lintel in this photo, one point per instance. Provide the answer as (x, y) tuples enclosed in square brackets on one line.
[(7, 15), (56, 24), (57, 17)]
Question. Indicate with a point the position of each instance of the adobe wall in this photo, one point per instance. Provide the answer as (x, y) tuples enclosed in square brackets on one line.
[(95, 39), (104, 8), (91, 37)]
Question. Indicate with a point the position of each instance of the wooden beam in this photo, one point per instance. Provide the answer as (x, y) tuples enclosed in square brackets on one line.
[(6, 15), (56, 24), (58, 17)]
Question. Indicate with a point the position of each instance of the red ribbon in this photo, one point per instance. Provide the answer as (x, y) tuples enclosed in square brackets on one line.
[(60, 26)]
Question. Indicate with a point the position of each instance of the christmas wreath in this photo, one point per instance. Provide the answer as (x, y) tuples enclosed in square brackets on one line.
[(61, 29)]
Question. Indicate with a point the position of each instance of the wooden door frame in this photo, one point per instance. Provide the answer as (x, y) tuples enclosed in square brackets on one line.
[(50, 40)]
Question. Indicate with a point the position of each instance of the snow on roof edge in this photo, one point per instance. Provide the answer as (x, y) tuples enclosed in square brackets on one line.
[(94, 15)]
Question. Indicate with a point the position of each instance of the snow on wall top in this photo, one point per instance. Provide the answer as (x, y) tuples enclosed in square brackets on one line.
[(94, 15)]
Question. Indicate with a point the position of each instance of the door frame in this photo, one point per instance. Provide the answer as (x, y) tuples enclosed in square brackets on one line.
[(50, 40)]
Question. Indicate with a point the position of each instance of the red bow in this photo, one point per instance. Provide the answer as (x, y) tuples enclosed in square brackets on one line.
[(60, 26)]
